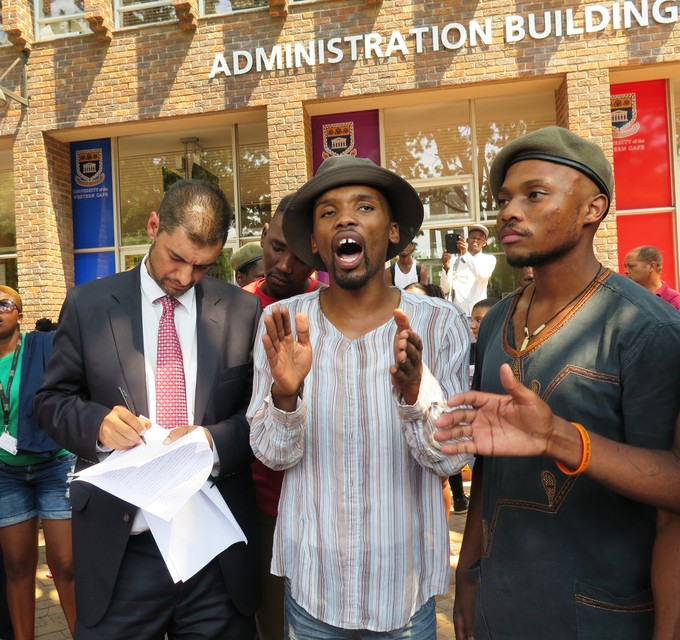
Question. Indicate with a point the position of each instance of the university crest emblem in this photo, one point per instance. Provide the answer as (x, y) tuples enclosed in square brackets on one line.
[(624, 115), (338, 139), (89, 167)]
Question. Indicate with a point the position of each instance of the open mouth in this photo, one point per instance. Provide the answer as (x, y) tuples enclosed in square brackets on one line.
[(349, 249)]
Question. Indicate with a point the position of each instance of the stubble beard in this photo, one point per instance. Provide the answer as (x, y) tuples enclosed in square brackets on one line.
[(161, 282), (352, 281), (540, 258)]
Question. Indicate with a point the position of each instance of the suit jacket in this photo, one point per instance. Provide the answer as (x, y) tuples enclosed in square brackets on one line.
[(99, 347)]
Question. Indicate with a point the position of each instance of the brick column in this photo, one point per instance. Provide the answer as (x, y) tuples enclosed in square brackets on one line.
[(99, 16), (187, 12), (17, 23), (583, 106), (44, 224), (290, 158), (278, 8)]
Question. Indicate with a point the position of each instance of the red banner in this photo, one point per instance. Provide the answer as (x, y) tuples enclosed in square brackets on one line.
[(641, 148), (655, 229)]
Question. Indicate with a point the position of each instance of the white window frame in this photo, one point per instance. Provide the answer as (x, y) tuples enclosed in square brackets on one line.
[(119, 10), (41, 23)]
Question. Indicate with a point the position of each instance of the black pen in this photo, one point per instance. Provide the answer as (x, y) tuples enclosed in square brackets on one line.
[(131, 409)]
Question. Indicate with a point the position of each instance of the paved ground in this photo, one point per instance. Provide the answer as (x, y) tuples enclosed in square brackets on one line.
[(445, 603), (50, 623), (49, 619)]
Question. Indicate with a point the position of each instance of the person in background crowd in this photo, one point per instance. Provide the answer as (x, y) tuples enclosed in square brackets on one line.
[(247, 263), (180, 344), (465, 281), (356, 439), (479, 311), (34, 475), (45, 324), (643, 265), (460, 500), (451, 485), (6, 631), (406, 269), (554, 517), (526, 276), (429, 289), (285, 276)]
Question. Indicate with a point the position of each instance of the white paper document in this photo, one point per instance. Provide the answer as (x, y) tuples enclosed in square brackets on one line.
[(202, 529), (156, 477), (190, 521)]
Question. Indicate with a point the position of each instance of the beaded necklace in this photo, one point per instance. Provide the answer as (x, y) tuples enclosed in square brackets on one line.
[(528, 336)]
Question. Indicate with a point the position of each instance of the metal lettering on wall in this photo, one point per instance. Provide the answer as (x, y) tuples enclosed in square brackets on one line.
[(452, 36)]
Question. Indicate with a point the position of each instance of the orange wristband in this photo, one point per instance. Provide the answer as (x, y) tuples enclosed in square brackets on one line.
[(585, 456)]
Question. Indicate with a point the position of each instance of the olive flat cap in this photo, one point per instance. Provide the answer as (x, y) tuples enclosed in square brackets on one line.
[(337, 171), (247, 254), (558, 145)]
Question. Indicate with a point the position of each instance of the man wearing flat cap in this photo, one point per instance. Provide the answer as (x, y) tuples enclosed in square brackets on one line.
[(464, 278), (247, 263), (349, 382), (558, 543)]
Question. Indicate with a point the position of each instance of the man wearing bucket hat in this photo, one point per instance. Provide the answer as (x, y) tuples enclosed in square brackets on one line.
[(465, 281), (558, 543), (361, 537)]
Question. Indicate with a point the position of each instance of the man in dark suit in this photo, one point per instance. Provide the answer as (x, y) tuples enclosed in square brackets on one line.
[(106, 340)]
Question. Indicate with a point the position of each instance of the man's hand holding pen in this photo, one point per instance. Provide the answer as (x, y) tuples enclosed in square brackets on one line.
[(122, 429)]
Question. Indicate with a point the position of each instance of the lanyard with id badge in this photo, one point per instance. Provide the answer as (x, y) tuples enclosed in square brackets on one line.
[(9, 442)]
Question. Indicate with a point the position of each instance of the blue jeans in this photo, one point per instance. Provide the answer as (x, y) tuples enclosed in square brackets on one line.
[(36, 490), (300, 625)]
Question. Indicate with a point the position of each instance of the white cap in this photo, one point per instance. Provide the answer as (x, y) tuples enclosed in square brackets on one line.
[(479, 227)]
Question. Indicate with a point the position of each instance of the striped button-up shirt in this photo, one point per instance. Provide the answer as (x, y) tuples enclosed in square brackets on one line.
[(361, 532)]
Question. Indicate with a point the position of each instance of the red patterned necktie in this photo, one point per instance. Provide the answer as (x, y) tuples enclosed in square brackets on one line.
[(171, 397)]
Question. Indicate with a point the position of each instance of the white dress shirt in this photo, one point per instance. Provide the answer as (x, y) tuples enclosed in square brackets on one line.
[(185, 323), (467, 279)]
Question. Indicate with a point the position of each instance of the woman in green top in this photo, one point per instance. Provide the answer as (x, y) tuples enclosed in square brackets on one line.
[(34, 475)]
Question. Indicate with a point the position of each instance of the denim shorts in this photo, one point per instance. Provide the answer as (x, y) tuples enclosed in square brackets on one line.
[(36, 490)]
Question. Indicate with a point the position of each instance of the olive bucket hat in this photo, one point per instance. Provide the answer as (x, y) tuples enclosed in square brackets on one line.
[(339, 171)]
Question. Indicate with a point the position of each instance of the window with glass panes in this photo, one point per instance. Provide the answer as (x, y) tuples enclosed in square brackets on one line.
[(214, 7), (234, 157), (3, 36), (59, 18), (133, 13), (445, 151), (8, 256)]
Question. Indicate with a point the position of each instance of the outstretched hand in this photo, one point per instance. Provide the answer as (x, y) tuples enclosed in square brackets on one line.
[(517, 424), (407, 369), (289, 359)]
